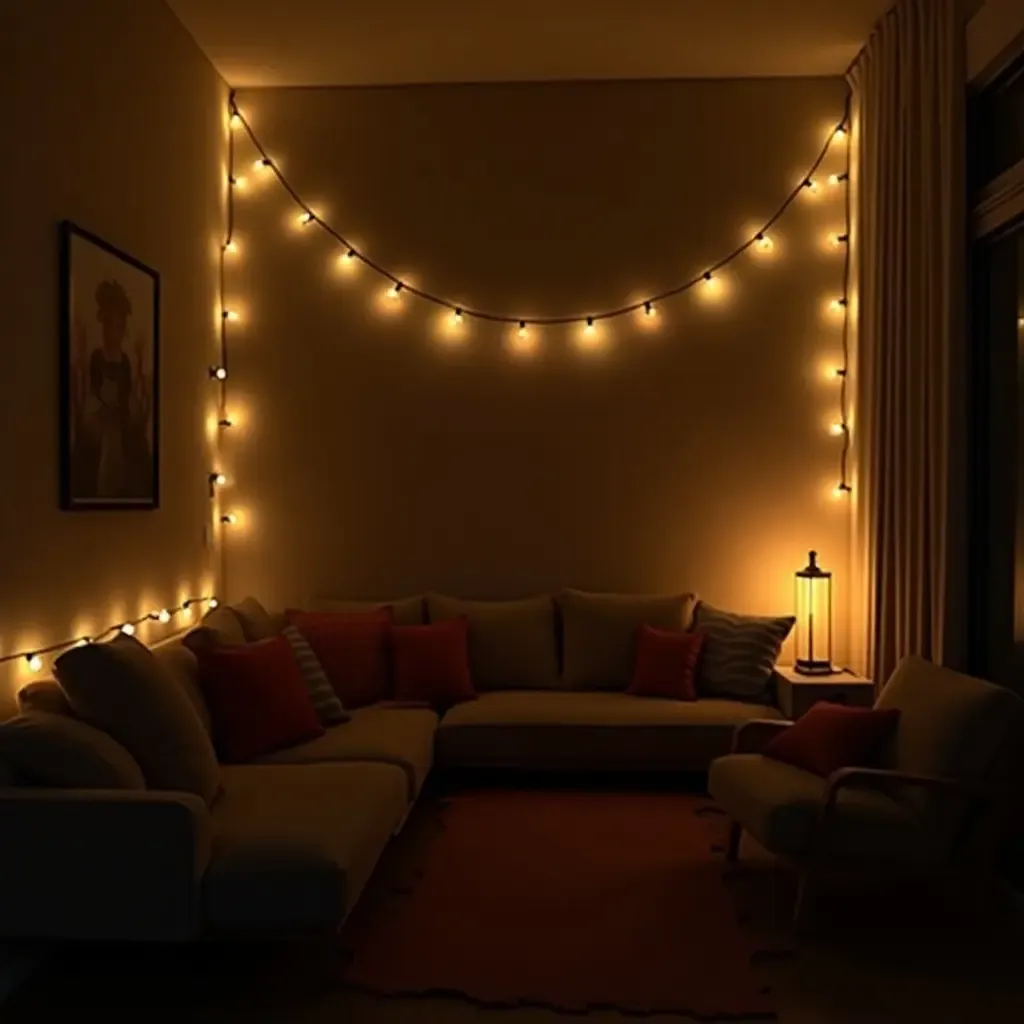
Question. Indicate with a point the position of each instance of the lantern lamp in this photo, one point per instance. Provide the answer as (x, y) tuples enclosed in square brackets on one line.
[(813, 619)]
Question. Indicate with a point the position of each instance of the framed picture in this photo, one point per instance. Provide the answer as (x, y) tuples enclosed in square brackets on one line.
[(109, 376)]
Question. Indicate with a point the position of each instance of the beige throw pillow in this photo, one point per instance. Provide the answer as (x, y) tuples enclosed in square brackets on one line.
[(512, 644), (43, 749), (257, 622), (121, 688), (599, 633)]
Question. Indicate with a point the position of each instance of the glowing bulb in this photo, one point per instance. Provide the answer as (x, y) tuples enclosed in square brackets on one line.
[(236, 121), (83, 641), (457, 318), (589, 328), (840, 132), (649, 311), (523, 331), (837, 179), (214, 602), (838, 305), (837, 429), (239, 182), (1020, 322), (811, 185), (347, 260), (395, 291), (229, 519), (128, 629), (839, 372), (231, 247), (225, 423), (837, 241), (163, 616), (219, 479), (764, 243), (710, 282), (35, 663), (262, 165), (218, 373), (230, 314), (840, 490)]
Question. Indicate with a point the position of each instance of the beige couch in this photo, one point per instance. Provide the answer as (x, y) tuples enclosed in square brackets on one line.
[(291, 840)]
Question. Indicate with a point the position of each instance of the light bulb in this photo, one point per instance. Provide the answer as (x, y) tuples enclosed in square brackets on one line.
[(838, 305), (840, 490), (811, 185), (837, 240), (649, 311), (213, 602), (840, 132), (710, 283), (395, 291), (764, 243), (307, 218), (230, 314), (262, 165), (83, 641), (239, 182), (218, 373), (347, 260), (128, 629), (1020, 322), (35, 663), (839, 372), (163, 616), (524, 331), (229, 519), (837, 429), (457, 318), (231, 246), (235, 121), (589, 328), (225, 423), (219, 479)]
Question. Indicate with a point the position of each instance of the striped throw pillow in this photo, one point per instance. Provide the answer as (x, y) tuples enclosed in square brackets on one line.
[(328, 707), (740, 652)]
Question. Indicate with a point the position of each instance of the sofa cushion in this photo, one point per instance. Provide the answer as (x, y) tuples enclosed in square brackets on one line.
[(121, 688), (352, 648), (591, 731), (181, 663), (391, 735), (43, 749), (258, 698), (740, 652), (220, 627), (293, 845), (406, 611), (431, 663), (512, 644), (666, 663), (779, 803), (599, 633), (43, 695), (257, 623), (329, 709)]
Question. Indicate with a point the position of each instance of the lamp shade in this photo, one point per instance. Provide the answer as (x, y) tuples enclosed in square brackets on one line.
[(813, 633)]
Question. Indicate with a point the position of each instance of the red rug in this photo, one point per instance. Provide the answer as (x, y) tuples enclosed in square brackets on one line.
[(572, 900)]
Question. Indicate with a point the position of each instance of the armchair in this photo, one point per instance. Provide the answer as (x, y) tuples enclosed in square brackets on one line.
[(934, 803)]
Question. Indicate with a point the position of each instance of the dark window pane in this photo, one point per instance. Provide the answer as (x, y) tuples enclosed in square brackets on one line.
[(996, 132)]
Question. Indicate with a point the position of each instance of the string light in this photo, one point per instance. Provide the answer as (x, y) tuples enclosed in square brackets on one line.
[(589, 327), (457, 318), (649, 310), (524, 331), (235, 121), (218, 373), (218, 479), (837, 179), (838, 305), (842, 427), (841, 490), (225, 423), (764, 243), (837, 429), (238, 182), (230, 314), (262, 165), (840, 132), (229, 519), (837, 241), (308, 217), (34, 658), (231, 247), (395, 291)]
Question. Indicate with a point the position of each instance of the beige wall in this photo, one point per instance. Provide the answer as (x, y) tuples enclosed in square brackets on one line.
[(379, 458), (112, 118)]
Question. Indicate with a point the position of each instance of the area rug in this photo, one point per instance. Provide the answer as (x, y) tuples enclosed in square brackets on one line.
[(575, 901)]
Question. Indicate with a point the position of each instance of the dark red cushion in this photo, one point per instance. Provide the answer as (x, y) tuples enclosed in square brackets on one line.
[(666, 663), (352, 648), (257, 697), (833, 736), (431, 663)]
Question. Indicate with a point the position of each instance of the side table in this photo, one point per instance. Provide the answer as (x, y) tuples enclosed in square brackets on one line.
[(797, 693)]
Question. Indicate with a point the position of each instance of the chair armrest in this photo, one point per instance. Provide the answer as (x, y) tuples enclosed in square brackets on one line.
[(751, 737), (102, 864), (882, 779)]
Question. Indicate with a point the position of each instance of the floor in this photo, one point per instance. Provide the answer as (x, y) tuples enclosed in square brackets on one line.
[(896, 973)]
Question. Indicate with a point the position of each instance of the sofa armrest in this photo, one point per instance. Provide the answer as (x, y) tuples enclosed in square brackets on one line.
[(102, 864), (752, 737)]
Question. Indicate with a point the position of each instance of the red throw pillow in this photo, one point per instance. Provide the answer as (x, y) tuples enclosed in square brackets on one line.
[(432, 662), (257, 697), (833, 736), (352, 648), (666, 663)]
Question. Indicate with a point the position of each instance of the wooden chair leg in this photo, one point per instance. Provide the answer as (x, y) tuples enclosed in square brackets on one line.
[(732, 851)]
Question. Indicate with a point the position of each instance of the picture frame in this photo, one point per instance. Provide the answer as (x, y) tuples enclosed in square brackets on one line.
[(109, 376)]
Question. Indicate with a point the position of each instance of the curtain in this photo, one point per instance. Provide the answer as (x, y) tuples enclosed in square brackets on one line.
[(908, 318)]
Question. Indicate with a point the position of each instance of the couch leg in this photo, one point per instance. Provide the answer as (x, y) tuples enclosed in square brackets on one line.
[(732, 851)]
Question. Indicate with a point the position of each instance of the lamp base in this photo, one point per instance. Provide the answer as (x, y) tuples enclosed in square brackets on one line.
[(816, 668)]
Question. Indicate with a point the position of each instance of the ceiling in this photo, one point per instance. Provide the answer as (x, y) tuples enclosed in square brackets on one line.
[(390, 42)]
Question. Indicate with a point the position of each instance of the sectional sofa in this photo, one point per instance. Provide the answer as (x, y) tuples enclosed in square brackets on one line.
[(287, 842)]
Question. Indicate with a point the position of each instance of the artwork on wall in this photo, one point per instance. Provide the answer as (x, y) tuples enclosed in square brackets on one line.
[(109, 376)]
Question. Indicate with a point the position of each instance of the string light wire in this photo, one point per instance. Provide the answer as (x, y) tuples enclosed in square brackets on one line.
[(353, 252)]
